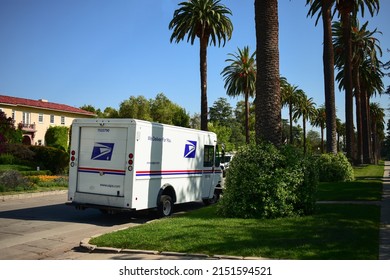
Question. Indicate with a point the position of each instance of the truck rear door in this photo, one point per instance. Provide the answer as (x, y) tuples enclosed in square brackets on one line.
[(102, 160)]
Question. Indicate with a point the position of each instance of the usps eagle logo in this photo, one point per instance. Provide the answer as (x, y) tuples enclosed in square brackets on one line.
[(190, 149), (102, 151)]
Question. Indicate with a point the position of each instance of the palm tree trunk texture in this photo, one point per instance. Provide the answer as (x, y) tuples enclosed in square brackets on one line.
[(247, 135), (346, 20), (328, 64), (359, 156), (268, 101), (203, 83), (366, 128)]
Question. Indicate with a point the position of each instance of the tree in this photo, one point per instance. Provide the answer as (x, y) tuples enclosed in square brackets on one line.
[(319, 120), (135, 107), (367, 78), (240, 78), (377, 125), (8, 132), (290, 98), (207, 20), (323, 8), (221, 112), (305, 109), (268, 101), (347, 10)]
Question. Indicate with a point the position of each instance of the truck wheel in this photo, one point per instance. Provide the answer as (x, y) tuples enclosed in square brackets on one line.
[(212, 200), (165, 208)]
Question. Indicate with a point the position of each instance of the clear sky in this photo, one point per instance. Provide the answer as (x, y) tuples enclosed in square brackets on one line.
[(100, 52)]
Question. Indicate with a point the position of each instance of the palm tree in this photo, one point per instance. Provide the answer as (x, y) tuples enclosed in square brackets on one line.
[(347, 10), (207, 20), (323, 8), (377, 125), (305, 109), (319, 120), (290, 98), (268, 102), (365, 49), (240, 78)]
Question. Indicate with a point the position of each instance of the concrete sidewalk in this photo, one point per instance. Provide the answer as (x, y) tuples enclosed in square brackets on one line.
[(384, 234)]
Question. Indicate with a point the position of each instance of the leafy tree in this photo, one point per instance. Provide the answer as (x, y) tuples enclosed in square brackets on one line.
[(92, 109), (221, 112), (135, 107), (207, 20), (110, 112), (240, 78), (268, 100), (8, 132)]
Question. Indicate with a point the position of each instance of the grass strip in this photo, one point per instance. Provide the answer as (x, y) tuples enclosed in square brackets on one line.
[(335, 232)]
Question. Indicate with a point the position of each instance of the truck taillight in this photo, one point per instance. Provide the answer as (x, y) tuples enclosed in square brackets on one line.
[(130, 162), (72, 158)]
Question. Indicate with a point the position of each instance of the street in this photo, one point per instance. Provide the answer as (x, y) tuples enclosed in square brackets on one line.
[(44, 227)]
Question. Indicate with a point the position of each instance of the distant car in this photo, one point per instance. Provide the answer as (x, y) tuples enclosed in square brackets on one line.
[(225, 162)]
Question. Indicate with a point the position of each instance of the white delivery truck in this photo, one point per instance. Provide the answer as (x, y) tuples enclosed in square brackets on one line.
[(128, 164)]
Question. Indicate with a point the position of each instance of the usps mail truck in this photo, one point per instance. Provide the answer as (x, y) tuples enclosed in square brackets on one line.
[(128, 164)]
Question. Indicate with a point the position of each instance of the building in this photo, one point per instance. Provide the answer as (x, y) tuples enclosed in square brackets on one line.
[(34, 117)]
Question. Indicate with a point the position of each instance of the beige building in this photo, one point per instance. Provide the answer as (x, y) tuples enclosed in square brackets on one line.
[(34, 117)]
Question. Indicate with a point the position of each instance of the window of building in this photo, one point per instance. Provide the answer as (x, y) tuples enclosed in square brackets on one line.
[(208, 156), (26, 118), (62, 120), (13, 114), (40, 118), (51, 118)]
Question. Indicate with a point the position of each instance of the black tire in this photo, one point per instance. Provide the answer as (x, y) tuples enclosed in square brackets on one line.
[(212, 200), (165, 207)]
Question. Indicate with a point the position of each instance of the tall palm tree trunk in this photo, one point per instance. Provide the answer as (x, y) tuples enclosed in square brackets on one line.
[(304, 134), (359, 127), (328, 64), (346, 20), (366, 128), (291, 125), (203, 83), (247, 136), (268, 100)]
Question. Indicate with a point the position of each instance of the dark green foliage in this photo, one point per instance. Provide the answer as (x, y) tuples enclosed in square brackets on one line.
[(264, 182), (53, 159), (8, 132), (335, 168), (57, 136), (20, 153)]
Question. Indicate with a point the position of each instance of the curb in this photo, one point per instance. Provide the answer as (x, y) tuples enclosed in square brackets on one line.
[(30, 195), (84, 244)]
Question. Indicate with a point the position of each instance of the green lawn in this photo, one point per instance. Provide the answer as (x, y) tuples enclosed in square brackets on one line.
[(334, 232)]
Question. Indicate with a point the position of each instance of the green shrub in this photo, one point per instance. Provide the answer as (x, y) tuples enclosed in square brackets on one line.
[(57, 137), (7, 159), (49, 158), (20, 152), (264, 182), (335, 168)]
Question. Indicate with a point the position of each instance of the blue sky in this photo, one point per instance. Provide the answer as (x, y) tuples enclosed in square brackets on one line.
[(100, 52)]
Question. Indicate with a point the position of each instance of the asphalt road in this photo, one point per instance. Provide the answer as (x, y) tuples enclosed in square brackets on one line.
[(45, 228)]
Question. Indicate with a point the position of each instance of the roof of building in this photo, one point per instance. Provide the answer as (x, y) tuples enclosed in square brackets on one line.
[(43, 104)]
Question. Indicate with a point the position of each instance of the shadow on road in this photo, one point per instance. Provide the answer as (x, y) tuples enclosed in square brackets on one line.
[(63, 213)]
